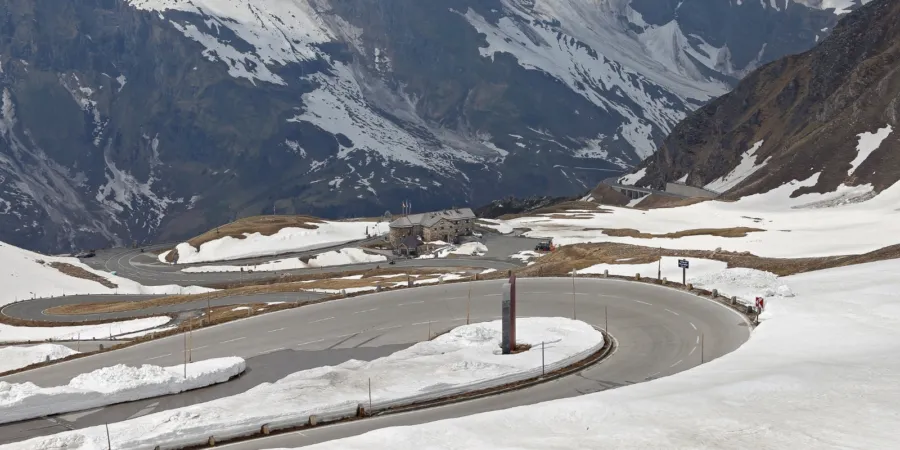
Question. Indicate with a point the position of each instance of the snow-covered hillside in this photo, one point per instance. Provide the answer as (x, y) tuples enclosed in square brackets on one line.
[(286, 240), (25, 274), (347, 108)]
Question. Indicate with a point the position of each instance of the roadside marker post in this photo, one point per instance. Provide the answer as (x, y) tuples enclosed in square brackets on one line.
[(543, 370), (574, 313), (685, 265)]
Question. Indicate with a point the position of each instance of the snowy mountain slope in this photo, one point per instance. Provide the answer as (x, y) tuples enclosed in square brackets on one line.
[(345, 108), (826, 118)]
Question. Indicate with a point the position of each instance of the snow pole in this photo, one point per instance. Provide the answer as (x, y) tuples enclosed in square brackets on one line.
[(574, 316), (108, 440)]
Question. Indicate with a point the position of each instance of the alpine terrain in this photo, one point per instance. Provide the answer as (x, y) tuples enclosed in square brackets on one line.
[(127, 121), (825, 121)]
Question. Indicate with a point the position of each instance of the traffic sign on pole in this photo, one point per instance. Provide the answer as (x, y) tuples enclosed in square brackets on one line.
[(684, 264), (760, 304)]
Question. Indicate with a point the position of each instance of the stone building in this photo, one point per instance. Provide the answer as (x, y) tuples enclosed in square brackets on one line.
[(445, 226)]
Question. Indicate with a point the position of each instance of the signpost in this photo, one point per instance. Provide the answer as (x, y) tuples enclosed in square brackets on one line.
[(760, 305), (685, 265), (508, 343)]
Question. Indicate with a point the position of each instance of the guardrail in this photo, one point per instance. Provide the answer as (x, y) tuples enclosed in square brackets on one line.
[(359, 409)]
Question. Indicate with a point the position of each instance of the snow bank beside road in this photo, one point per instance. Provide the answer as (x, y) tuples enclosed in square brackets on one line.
[(467, 249), (16, 357), (286, 240), (746, 284), (9, 333), (342, 257), (465, 356), (111, 385), (820, 372)]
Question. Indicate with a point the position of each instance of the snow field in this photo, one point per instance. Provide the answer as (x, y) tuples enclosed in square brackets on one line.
[(285, 240), (463, 359), (819, 372), (26, 274), (341, 257), (794, 227), (111, 385), (16, 357), (9, 333), (496, 225)]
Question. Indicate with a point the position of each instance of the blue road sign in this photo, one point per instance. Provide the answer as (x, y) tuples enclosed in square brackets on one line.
[(684, 264)]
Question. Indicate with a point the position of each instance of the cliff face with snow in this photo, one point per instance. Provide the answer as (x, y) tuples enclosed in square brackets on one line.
[(137, 120), (824, 121)]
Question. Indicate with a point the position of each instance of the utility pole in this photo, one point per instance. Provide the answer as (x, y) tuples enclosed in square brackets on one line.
[(469, 303), (659, 266), (574, 315), (605, 319), (190, 341), (702, 356)]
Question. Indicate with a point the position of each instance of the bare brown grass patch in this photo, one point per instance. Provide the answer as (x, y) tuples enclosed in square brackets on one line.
[(578, 257), (78, 272), (720, 232)]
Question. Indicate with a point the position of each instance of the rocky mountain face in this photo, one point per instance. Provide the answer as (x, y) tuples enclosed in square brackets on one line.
[(137, 120), (825, 121)]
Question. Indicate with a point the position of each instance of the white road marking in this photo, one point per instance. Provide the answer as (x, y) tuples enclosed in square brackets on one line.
[(492, 295), (410, 303), (698, 340), (368, 310), (198, 348), (692, 351), (673, 312), (423, 323), (322, 320), (275, 350), (676, 363), (387, 328), (310, 342), (232, 340), (644, 303), (275, 330), (158, 357), (695, 326), (146, 410), (75, 416)]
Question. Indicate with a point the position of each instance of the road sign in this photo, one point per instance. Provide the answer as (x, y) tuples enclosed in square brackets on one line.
[(760, 304), (684, 264)]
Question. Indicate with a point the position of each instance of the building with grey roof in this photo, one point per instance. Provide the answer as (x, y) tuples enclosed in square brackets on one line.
[(447, 226)]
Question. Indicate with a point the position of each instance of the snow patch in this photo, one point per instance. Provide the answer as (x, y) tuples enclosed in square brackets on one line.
[(868, 143), (16, 357), (345, 256), (286, 240), (112, 385), (744, 169)]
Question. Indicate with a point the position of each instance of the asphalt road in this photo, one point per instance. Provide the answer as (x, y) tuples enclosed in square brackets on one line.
[(658, 331), (146, 269)]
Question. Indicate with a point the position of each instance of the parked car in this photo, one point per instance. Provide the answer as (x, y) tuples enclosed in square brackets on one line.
[(542, 247), (87, 254)]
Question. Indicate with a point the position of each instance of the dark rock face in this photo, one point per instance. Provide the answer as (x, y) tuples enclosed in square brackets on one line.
[(128, 121), (810, 110)]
